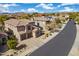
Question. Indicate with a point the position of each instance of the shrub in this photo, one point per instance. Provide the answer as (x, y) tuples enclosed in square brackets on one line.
[(77, 20), (11, 43), (58, 21)]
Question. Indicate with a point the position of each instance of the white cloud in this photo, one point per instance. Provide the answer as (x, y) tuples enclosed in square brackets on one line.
[(59, 6), (65, 4), (50, 4), (32, 10), (29, 10), (8, 5), (67, 9), (45, 6), (15, 11), (4, 8)]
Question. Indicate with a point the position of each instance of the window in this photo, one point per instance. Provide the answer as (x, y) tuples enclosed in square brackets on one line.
[(21, 28), (29, 27), (37, 24)]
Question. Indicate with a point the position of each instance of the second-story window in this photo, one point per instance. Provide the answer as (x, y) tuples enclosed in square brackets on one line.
[(28, 27), (21, 28)]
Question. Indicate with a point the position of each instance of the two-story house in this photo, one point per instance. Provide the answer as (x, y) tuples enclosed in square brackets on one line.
[(22, 29)]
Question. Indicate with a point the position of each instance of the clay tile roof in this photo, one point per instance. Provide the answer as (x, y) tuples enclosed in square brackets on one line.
[(16, 22)]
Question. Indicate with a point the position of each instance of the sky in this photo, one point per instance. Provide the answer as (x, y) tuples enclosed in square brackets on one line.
[(38, 7)]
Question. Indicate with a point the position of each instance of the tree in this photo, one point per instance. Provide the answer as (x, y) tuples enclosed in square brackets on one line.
[(58, 21), (73, 15), (50, 26), (3, 18), (11, 43), (77, 20)]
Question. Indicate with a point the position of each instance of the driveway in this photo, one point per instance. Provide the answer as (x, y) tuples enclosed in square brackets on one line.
[(59, 45)]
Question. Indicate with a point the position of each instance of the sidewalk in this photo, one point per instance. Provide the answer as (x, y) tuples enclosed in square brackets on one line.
[(75, 49)]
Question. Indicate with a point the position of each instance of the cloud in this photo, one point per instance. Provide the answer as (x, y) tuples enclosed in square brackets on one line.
[(3, 11), (15, 11), (50, 4), (45, 6), (8, 5), (65, 4), (4, 8), (29, 10), (32, 10), (67, 9)]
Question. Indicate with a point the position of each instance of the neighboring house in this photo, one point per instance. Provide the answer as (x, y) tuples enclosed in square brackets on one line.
[(3, 38), (42, 21), (22, 29)]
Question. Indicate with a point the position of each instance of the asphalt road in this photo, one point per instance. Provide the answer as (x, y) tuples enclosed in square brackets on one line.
[(59, 45)]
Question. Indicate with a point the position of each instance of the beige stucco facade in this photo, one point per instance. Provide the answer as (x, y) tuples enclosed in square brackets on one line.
[(14, 29), (22, 32)]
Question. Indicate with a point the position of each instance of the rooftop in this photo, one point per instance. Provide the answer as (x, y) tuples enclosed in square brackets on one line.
[(16, 22), (44, 18)]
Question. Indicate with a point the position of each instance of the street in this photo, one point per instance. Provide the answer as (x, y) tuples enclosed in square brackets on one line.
[(61, 44)]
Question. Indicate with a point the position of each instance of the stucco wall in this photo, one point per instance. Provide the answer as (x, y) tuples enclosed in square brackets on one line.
[(14, 29)]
